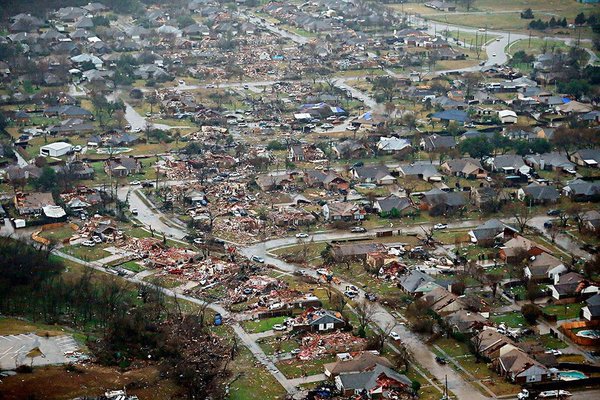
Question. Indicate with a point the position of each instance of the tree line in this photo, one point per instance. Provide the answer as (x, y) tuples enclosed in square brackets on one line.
[(123, 322)]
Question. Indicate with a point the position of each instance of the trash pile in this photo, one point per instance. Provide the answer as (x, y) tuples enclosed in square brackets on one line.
[(256, 286), (315, 345)]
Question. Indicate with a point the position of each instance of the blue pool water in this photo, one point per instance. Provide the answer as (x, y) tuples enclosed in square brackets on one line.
[(589, 333), (571, 375)]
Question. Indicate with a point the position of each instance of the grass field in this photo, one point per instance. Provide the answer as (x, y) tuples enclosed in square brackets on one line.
[(296, 368), (503, 15), (512, 320), (58, 234), (262, 325), (86, 253), (536, 46), (564, 311), (250, 381)]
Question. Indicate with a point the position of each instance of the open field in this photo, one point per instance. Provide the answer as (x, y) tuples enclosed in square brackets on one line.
[(504, 15)]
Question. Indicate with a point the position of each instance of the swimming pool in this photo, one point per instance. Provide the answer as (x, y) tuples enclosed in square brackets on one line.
[(571, 375), (589, 333)]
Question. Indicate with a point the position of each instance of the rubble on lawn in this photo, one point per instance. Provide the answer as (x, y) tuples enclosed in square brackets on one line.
[(315, 345)]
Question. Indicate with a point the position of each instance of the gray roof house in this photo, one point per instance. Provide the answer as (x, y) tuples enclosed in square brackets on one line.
[(539, 194), (549, 161), (387, 204), (417, 283)]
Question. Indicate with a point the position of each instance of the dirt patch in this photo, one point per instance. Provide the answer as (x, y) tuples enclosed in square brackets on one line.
[(56, 383)]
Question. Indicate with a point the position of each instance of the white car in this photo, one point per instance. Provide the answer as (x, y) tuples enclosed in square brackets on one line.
[(77, 148), (198, 240), (210, 86), (395, 335), (89, 243), (322, 271), (554, 394), (97, 239), (181, 82), (488, 178), (301, 235), (258, 259), (278, 327), (135, 182), (134, 211), (554, 352), (494, 55), (440, 226)]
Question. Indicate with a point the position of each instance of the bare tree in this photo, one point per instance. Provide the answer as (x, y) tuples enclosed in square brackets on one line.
[(364, 311), (521, 213)]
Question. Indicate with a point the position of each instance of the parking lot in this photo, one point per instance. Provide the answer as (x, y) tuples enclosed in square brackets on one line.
[(15, 349)]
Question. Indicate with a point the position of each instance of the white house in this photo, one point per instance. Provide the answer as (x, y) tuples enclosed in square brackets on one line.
[(507, 116), (57, 149)]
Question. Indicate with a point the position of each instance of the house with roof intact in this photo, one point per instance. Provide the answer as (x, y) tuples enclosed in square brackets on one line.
[(586, 158), (549, 161), (425, 171), (464, 167), (394, 145), (544, 267), (380, 382), (538, 194), (123, 166), (378, 174), (492, 231), (518, 367), (489, 342), (591, 220), (591, 311), (354, 251), (464, 321), (580, 190), (438, 202), (387, 205), (364, 361), (438, 143)]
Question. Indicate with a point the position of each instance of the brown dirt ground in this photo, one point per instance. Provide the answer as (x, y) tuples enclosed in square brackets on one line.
[(56, 383)]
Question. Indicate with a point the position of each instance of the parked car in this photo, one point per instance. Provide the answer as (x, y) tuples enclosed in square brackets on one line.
[(258, 259), (523, 394), (371, 296), (301, 235), (198, 240), (278, 327), (350, 294), (554, 212), (358, 229), (554, 352), (441, 360), (322, 271), (395, 336), (554, 394), (89, 243), (135, 182), (440, 226), (97, 239), (295, 352), (134, 211)]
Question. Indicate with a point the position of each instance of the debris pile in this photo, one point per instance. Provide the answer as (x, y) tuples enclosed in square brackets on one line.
[(316, 345)]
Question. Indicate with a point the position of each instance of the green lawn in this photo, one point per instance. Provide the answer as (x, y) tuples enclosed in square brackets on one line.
[(537, 46), (512, 320), (87, 253), (453, 347), (564, 311), (270, 345), (550, 342), (296, 368), (58, 234), (252, 381), (132, 266), (262, 325)]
